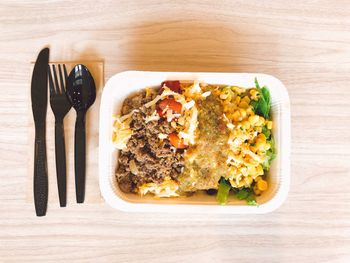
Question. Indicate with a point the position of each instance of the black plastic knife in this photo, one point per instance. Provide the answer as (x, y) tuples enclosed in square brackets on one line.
[(39, 107)]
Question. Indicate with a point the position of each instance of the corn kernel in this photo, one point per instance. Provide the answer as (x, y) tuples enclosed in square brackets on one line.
[(260, 122), (243, 113), (237, 100), (269, 125), (253, 148), (246, 99), (246, 124), (229, 115), (253, 119), (261, 137), (260, 145), (262, 185), (236, 115), (243, 104), (250, 111)]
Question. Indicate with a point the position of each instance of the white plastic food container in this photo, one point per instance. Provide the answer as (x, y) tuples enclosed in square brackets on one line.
[(123, 84)]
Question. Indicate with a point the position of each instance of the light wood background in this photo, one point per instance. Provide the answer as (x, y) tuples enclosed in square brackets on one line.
[(306, 44)]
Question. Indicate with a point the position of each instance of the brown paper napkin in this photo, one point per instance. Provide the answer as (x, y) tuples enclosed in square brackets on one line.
[(92, 191)]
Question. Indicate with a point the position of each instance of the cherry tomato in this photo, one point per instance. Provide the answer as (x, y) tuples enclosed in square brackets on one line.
[(173, 85), (171, 104), (176, 141)]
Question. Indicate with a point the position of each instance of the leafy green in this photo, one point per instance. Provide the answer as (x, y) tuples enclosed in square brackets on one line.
[(246, 194), (252, 202), (250, 198), (266, 132), (257, 84), (266, 95), (255, 105), (270, 155), (263, 105), (223, 191), (242, 194)]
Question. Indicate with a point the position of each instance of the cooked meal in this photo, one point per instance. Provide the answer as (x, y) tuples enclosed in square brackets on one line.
[(184, 137)]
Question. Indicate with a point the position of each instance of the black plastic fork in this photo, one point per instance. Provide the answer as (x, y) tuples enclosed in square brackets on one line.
[(60, 107)]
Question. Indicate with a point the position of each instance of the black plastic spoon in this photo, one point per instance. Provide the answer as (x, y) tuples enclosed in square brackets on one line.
[(81, 92)]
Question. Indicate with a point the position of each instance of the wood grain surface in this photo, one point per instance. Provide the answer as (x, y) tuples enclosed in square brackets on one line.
[(306, 44)]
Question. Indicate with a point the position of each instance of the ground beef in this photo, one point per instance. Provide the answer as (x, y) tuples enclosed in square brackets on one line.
[(154, 158)]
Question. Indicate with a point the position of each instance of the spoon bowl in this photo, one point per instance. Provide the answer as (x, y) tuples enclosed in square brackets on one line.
[(81, 90), (81, 93)]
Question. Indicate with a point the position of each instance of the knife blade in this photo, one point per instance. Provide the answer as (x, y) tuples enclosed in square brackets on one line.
[(39, 108)]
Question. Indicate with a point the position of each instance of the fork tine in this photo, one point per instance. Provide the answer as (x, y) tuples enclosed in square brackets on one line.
[(51, 85), (65, 76), (56, 79), (61, 90)]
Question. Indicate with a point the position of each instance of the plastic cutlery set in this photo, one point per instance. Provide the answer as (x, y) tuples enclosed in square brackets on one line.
[(75, 90)]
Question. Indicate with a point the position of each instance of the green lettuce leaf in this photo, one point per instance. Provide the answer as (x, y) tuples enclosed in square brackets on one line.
[(242, 194), (266, 132), (248, 195), (263, 105), (223, 191), (270, 155)]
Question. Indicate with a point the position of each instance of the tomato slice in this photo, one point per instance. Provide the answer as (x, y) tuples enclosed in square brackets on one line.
[(172, 104), (176, 141), (174, 85)]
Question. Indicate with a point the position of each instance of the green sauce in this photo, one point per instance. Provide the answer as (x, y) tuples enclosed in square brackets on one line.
[(205, 161)]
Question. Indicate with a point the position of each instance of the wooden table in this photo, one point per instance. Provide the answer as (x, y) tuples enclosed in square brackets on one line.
[(306, 45)]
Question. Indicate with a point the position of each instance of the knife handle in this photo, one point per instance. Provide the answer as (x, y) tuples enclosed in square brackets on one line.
[(40, 172), (79, 157), (60, 152)]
